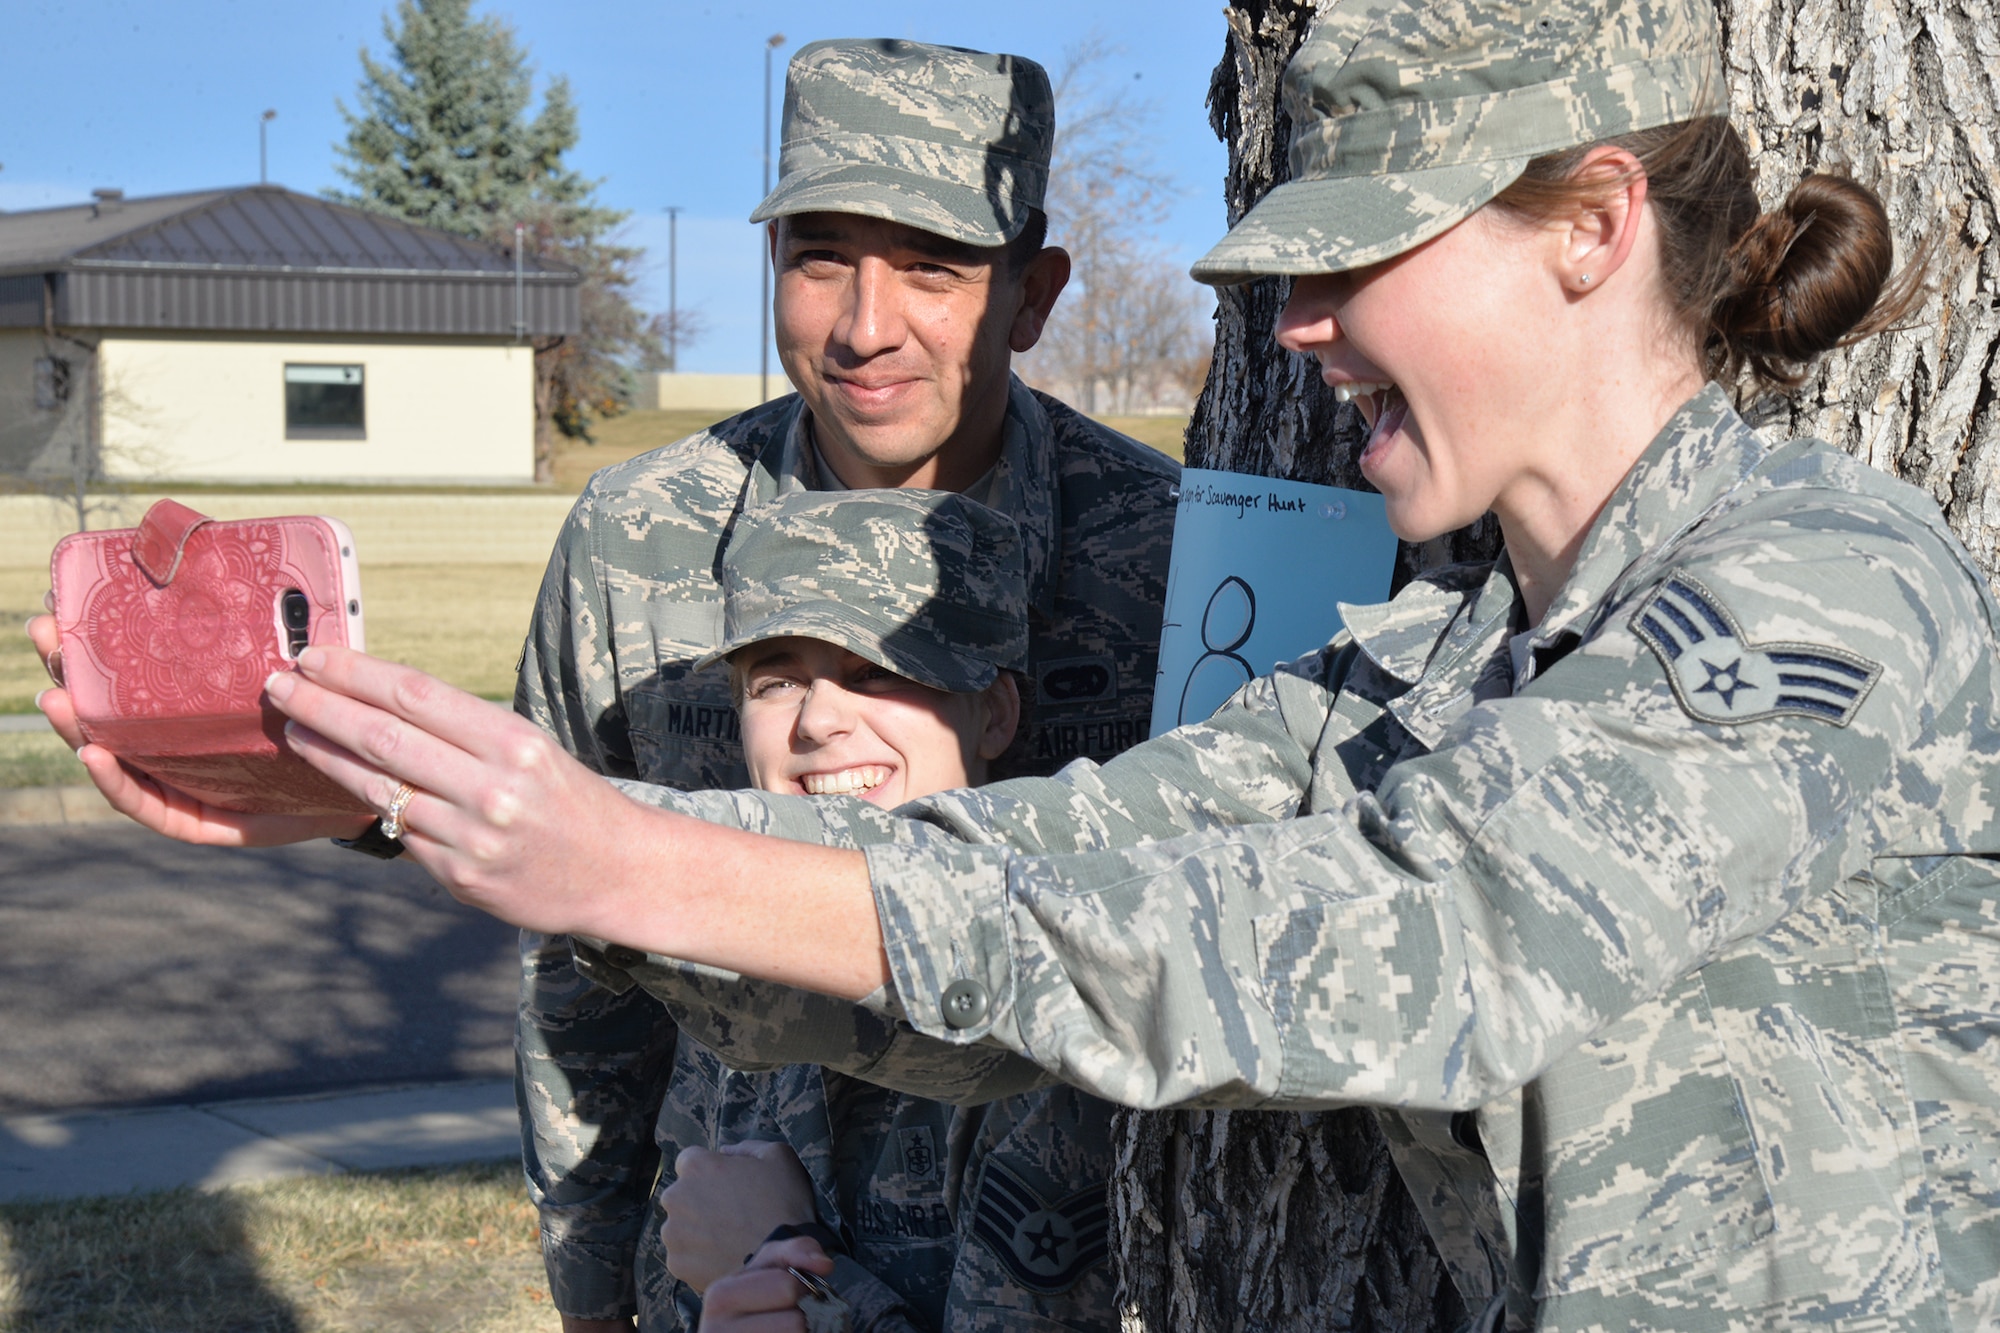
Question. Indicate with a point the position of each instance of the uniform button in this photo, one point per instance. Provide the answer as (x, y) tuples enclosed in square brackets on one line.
[(964, 1003), (618, 955)]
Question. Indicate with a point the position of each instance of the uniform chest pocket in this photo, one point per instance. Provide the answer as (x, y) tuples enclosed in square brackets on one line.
[(684, 730), (1647, 1158)]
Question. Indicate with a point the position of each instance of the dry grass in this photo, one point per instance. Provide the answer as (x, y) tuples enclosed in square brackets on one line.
[(1162, 433), (461, 623), (440, 1251), (623, 436), (21, 674), (38, 759)]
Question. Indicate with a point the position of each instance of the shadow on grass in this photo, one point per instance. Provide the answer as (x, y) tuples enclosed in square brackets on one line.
[(156, 1263)]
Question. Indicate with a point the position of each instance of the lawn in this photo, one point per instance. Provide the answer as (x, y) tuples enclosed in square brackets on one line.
[(438, 1251)]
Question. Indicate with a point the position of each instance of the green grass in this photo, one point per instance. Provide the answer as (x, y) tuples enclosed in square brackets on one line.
[(438, 1251)]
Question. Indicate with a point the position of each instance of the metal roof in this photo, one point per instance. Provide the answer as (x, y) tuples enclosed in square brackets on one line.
[(265, 258)]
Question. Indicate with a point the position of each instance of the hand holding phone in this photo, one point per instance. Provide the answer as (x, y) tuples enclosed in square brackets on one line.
[(169, 631)]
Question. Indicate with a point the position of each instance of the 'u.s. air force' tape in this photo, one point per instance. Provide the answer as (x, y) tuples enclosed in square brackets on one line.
[(1046, 1246), (1719, 676)]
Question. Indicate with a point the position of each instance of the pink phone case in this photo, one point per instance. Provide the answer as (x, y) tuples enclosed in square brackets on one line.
[(169, 631)]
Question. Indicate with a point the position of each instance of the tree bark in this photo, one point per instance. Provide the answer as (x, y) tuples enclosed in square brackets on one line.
[(548, 350), (1257, 1219), (1904, 96), (1278, 1221)]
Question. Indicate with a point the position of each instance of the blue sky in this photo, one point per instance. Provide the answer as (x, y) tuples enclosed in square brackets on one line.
[(165, 96)]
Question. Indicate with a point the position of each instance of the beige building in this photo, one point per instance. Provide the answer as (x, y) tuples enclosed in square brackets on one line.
[(257, 335)]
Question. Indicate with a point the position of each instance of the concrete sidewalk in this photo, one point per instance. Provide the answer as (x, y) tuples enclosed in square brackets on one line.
[(91, 1153)]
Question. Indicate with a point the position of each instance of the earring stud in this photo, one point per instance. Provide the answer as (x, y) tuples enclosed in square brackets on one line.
[(1583, 280)]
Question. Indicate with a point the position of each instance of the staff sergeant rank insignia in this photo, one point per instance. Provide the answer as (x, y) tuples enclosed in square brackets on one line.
[(1046, 1246), (1719, 676)]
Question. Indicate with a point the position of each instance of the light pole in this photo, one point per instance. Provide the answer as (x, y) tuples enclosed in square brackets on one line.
[(673, 289), (776, 40), (263, 159)]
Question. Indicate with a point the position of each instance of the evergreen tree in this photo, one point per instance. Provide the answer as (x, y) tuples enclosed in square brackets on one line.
[(443, 138)]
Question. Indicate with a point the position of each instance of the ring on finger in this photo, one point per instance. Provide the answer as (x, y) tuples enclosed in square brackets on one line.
[(392, 822), (817, 1287)]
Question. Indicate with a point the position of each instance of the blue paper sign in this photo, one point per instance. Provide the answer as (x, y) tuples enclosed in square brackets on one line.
[(1259, 569)]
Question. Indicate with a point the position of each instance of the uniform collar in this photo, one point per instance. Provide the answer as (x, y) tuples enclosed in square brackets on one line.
[(1023, 481), (1441, 635), (1704, 452)]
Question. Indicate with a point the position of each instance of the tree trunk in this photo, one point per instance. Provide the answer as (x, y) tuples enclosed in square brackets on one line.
[(1903, 95), (1274, 1221), (547, 351), (1258, 1219)]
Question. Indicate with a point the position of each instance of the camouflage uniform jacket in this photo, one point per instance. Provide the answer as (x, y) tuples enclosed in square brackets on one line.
[(987, 1217), (1666, 933), (630, 601)]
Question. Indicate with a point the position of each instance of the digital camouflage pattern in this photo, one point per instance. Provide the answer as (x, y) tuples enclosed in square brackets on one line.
[(948, 141), (985, 1217), (631, 601), (1408, 115), (927, 584), (1681, 1005)]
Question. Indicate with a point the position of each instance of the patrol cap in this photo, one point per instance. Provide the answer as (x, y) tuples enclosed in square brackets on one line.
[(948, 141), (927, 584), (1409, 114)]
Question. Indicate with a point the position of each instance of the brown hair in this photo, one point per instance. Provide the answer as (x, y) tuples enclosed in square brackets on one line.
[(1033, 239), (1759, 292)]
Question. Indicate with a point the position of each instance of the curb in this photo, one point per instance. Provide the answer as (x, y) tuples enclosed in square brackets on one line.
[(55, 805), (211, 1145)]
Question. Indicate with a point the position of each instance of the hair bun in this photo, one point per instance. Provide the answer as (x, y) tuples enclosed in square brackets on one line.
[(1805, 276)]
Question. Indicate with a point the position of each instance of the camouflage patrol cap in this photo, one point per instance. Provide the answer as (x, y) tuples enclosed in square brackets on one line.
[(1409, 114), (927, 584), (948, 141)]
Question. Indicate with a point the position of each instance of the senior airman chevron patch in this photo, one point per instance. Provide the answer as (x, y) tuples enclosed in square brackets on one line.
[(1718, 676), (1046, 1246)]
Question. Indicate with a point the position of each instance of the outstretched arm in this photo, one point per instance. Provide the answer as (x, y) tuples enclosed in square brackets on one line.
[(510, 823)]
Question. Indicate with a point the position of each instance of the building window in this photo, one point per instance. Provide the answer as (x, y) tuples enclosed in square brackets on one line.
[(324, 403), (51, 383)]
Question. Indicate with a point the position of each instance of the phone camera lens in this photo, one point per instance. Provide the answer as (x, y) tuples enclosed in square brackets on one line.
[(295, 612)]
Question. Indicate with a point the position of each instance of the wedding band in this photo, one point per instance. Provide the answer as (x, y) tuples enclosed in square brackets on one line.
[(392, 823), (816, 1286)]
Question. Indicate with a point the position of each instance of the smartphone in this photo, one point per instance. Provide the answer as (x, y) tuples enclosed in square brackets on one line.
[(170, 629)]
